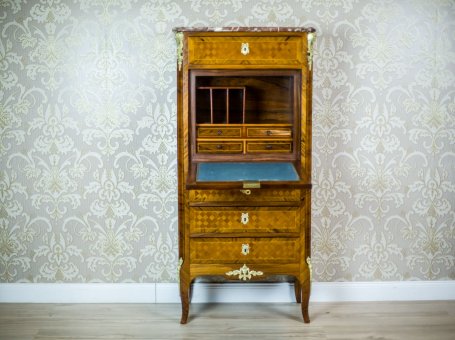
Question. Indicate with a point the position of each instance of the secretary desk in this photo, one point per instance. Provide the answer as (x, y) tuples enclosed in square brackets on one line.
[(244, 155)]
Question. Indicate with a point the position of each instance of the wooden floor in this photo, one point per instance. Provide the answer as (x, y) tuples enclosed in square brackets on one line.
[(383, 320)]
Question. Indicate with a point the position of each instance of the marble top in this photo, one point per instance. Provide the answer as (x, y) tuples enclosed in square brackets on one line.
[(244, 29)]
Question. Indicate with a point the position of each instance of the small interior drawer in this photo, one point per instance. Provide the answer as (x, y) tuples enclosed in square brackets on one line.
[(218, 132), (268, 146), (268, 132), (220, 147)]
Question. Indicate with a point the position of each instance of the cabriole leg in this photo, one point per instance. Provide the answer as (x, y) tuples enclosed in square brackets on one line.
[(306, 289), (297, 290), (185, 298)]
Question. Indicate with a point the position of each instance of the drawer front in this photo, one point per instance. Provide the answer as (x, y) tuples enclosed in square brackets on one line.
[(269, 147), (244, 219), (244, 250), (245, 50), (221, 132), (269, 132), (261, 195), (219, 147)]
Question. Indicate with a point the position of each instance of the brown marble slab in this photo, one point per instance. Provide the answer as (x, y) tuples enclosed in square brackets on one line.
[(244, 29)]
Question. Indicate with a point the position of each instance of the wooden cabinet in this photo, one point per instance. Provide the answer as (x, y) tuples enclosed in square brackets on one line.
[(244, 155)]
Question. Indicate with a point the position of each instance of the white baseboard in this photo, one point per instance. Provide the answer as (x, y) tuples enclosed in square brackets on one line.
[(223, 293), (228, 292), (320, 292), (77, 292), (383, 291)]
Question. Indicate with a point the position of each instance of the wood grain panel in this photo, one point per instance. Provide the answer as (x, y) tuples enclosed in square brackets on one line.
[(253, 195), (268, 132), (416, 320), (229, 250), (220, 147), (229, 220), (269, 147), (218, 132), (265, 50)]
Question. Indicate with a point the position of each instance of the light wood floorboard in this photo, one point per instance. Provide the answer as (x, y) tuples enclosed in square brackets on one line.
[(359, 320)]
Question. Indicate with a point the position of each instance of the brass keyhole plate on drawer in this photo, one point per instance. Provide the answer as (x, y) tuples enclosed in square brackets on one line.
[(245, 249), (245, 218), (245, 49)]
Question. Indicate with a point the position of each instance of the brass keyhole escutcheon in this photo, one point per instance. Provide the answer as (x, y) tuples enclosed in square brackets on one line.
[(245, 49), (245, 218), (245, 249)]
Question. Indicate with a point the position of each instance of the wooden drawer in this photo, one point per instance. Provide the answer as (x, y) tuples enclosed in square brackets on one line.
[(244, 220), (268, 132), (232, 250), (245, 50), (219, 147), (259, 195), (218, 132), (268, 146)]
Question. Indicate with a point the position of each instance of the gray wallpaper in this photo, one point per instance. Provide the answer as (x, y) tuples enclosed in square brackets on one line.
[(88, 136)]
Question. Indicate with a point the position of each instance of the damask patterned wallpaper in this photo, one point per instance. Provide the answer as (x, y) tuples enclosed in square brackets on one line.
[(88, 136)]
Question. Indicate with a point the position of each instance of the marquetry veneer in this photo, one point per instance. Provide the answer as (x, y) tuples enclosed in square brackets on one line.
[(244, 155)]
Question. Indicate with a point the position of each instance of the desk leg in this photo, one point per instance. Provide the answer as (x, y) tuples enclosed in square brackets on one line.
[(298, 290), (185, 298), (306, 289)]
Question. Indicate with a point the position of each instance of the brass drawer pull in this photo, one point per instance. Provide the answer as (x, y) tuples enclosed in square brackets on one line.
[(246, 192), (245, 249), (219, 132), (269, 133), (219, 147), (245, 49)]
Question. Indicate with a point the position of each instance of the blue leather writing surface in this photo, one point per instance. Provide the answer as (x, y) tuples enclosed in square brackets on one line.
[(229, 172)]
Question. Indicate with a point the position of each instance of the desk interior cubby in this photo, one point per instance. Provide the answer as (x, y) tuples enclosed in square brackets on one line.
[(220, 104), (230, 97), (239, 115)]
